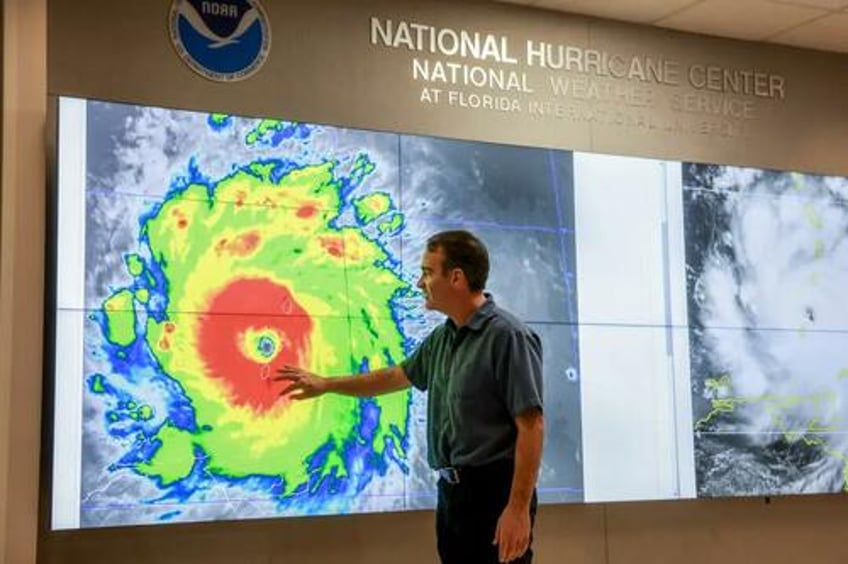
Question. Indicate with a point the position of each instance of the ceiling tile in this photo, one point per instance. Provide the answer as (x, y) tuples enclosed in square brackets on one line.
[(744, 19), (826, 4), (802, 23), (829, 33), (641, 11)]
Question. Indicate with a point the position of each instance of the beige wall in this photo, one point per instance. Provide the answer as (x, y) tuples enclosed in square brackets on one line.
[(21, 274), (789, 530), (1, 129), (4, 406), (785, 531), (324, 69)]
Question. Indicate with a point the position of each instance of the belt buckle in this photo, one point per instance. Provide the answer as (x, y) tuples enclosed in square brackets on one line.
[(449, 474)]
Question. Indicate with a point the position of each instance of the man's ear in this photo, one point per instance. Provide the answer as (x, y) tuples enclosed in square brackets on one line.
[(457, 276)]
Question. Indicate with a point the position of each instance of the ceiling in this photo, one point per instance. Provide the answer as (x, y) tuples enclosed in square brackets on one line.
[(814, 24)]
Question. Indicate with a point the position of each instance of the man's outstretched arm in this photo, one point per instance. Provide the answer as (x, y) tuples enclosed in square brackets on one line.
[(305, 384)]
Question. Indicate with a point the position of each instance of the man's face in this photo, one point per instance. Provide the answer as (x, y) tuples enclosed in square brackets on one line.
[(435, 283)]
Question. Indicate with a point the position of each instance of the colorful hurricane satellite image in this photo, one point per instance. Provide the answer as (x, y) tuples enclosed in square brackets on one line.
[(219, 248)]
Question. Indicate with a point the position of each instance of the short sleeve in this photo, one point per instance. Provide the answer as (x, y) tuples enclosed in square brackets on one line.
[(519, 370), (415, 366)]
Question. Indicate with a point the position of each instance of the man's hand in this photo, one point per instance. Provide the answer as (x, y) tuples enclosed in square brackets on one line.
[(304, 385), (512, 534)]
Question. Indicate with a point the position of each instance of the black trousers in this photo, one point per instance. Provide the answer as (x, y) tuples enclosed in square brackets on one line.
[(467, 514)]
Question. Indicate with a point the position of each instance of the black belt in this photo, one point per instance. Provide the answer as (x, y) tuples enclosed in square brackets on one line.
[(455, 474), (449, 474)]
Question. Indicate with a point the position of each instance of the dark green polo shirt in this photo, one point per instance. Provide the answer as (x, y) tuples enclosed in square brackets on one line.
[(478, 378)]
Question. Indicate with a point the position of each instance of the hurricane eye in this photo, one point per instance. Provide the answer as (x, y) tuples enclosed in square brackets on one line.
[(266, 347)]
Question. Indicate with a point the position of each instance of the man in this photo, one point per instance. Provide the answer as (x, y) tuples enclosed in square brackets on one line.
[(483, 372)]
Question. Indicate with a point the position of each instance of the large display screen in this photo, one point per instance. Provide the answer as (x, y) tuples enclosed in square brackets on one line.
[(767, 264), (689, 315)]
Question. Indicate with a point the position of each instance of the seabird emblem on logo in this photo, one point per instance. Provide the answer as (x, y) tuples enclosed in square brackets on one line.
[(222, 41)]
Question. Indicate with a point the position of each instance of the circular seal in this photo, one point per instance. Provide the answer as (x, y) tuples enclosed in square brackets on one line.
[(225, 40)]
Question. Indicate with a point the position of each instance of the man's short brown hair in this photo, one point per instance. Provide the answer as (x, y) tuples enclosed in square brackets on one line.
[(463, 251)]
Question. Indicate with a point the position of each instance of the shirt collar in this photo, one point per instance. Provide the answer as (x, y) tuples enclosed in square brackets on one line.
[(480, 316)]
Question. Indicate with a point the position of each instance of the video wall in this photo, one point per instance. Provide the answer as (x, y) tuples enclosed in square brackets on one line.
[(690, 316)]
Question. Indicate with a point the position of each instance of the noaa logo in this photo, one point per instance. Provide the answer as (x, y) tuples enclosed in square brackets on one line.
[(223, 41)]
